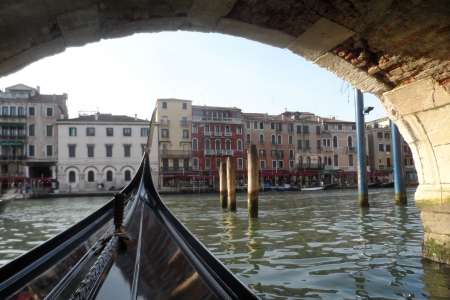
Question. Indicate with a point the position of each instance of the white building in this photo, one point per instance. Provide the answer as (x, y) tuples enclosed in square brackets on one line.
[(99, 149)]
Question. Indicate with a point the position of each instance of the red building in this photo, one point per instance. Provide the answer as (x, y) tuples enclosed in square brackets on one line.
[(217, 133)]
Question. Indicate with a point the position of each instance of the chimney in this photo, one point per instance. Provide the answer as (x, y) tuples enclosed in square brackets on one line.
[(266, 116), (96, 117), (135, 117), (285, 109), (38, 89)]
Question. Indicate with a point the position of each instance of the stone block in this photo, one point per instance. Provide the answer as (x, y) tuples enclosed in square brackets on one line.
[(320, 38), (436, 222), (80, 27), (432, 121), (252, 32), (204, 14)]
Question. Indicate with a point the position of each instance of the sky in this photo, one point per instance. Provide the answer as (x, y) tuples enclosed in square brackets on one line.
[(125, 77)]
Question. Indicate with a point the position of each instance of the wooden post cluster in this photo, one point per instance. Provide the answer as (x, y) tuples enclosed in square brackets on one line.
[(253, 174), (231, 186), (223, 185)]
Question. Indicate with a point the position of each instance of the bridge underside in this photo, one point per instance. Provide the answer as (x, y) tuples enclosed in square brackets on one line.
[(397, 50)]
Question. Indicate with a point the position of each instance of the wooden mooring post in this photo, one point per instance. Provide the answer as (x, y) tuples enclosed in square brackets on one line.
[(223, 185), (231, 185), (253, 190)]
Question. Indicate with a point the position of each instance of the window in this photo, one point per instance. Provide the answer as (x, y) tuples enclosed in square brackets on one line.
[(319, 144), (217, 144), (49, 150), (109, 176), (195, 163), (291, 140), (255, 125), (12, 111), (261, 139), (4, 110), (350, 160), (325, 127), (127, 175), (272, 139), (263, 164), (206, 128), (240, 163), (194, 144), (184, 121), (194, 128), (21, 111), (109, 132), (207, 144), (239, 129), (379, 135), (90, 151), (280, 164), (164, 105), (307, 144), (185, 134), (21, 132), (349, 141), (239, 145), (31, 111), (335, 142), (340, 127), (317, 129), (49, 130), (217, 128), (336, 160), (261, 125), (262, 152), (90, 131), (272, 125), (165, 133), (248, 139), (306, 129), (31, 150), (388, 162), (290, 127), (279, 139), (381, 147), (108, 151), (218, 163), (31, 130), (291, 164), (299, 144), (387, 135), (299, 129), (71, 151), (164, 121), (248, 125), (127, 150), (274, 164), (207, 163), (279, 127), (184, 105), (227, 145), (49, 112), (72, 131), (144, 131), (291, 153), (388, 148), (91, 176), (127, 132), (280, 153), (71, 177), (227, 129)]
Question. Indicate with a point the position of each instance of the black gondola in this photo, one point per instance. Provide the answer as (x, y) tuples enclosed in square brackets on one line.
[(148, 255)]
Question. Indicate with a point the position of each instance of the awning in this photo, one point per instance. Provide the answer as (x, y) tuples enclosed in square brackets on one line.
[(13, 125), (386, 171), (334, 171), (11, 143)]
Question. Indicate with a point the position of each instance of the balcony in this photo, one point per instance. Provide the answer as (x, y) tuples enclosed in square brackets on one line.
[(228, 134), (327, 148), (175, 169), (175, 153), (184, 123), (350, 149), (328, 167), (207, 133), (310, 166), (164, 123), (217, 120), (13, 157), (219, 152), (217, 133), (13, 137), (13, 116)]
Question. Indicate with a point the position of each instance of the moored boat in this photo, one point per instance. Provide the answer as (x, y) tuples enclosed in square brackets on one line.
[(313, 188), (284, 188), (6, 200)]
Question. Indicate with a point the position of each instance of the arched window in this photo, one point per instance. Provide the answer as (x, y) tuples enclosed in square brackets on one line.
[(324, 142), (207, 144), (273, 139), (228, 145), (319, 162), (127, 175), (194, 144), (91, 176), (349, 141), (71, 176), (335, 144), (109, 176), (300, 161), (217, 144), (239, 145), (261, 139), (279, 139), (248, 140), (325, 161), (329, 161), (290, 140), (308, 161)]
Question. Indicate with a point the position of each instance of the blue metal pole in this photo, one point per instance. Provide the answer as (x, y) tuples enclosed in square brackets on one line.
[(363, 190), (399, 170)]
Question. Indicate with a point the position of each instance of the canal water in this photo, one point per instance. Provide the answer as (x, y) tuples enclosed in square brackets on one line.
[(304, 245)]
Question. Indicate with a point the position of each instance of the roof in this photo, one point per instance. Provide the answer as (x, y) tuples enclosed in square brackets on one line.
[(199, 107), (328, 120), (47, 98), (21, 87), (104, 118), (262, 117)]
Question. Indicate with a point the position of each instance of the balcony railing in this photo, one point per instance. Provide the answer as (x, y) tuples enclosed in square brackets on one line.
[(228, 134), (13, 157), (175, 153), (164, 123), (176, 169), (184, 123), (207, 133), (216, 119), (350, 149), (327, 148), (219, 152), (310, 166), (329, 167), (13, 116), (13, 137), (216, 133)]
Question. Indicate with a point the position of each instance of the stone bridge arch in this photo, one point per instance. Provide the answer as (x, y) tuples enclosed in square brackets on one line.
[(397, 50)]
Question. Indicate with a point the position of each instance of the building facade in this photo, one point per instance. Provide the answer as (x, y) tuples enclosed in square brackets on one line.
[(99, 151)]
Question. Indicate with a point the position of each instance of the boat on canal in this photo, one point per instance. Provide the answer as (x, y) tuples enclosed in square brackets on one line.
[(6, 200), (313, 188), (283, 188), (132, 247)]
